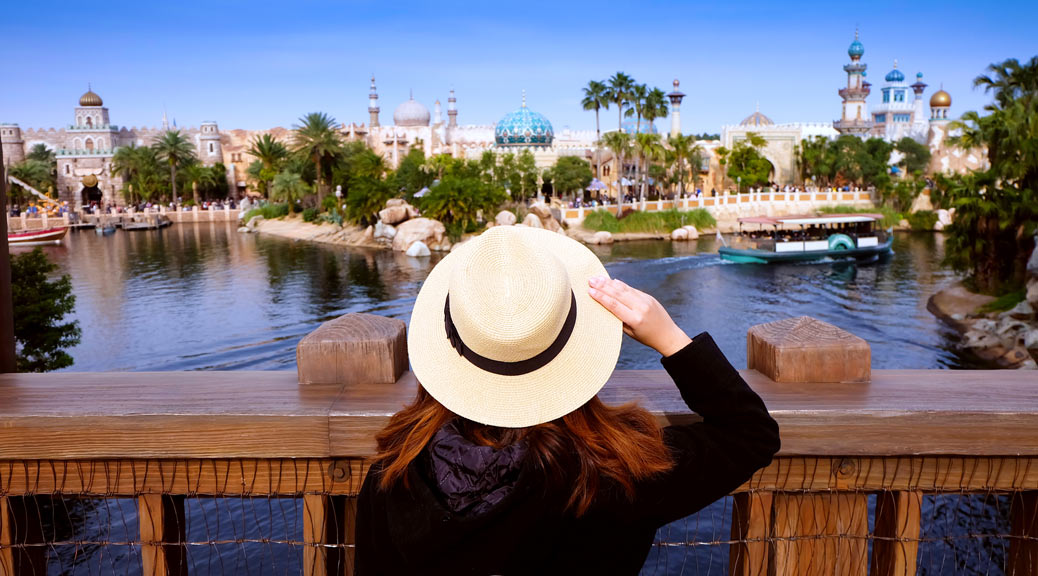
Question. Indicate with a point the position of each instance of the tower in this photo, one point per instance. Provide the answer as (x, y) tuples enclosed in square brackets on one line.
[(437, 114), (373, 105), (209, 150), (13, 145), (452, 110), (675, 109), (919, 120), (939, 104), (855, 116)]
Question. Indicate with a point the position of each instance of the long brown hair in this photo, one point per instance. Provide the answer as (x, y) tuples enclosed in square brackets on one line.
[(593, 443)]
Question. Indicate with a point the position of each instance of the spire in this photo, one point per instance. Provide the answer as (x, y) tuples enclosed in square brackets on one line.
[(524, 97), (895, 63), (165, 121), (856, 32), (412, 93)]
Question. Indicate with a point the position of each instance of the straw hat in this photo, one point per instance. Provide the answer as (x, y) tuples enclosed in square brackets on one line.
[(503, 331)]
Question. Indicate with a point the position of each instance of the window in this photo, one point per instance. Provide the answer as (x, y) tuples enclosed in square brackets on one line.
[(89, 145), (886, 96), (881, 118), (899, 96), (210, 147), (90, 122), (68, 169)]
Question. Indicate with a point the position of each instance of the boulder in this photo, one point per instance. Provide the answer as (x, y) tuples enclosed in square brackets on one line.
[(254, 222), (679, 234), (1008, 328), (430, 232), (693, 234), (552, 224), (541, 210), (244, 229), (904, 225), (393, 214), (978, 341), (418, 249), (1029, 339), (532, 221), (944, 217), (921, 202), (938, 226), (1022, 311), (369, 232), (1032, 263), (985, 325), (395, 202), (504, 218), (1032, 292), (600, 237), (1014, 358)]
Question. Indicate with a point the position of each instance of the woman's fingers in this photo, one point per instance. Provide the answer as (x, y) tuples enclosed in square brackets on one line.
[(610, 302)]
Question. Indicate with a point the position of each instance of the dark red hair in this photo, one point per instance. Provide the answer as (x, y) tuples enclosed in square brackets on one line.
[(595, 442)]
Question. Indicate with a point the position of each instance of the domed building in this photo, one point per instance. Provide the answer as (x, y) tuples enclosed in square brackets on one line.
[(756, 120), (411, 113), (939, 104), (523, 128), (897, 116), (780, 140)]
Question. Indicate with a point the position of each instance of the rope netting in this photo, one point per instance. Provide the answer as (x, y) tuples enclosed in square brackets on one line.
[(294, 516)]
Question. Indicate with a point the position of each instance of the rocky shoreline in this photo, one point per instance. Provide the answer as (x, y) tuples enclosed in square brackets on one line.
[(1006, 339)]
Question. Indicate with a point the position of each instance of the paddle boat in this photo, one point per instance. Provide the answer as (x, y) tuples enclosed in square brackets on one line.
[(36, 237), (806, 238)]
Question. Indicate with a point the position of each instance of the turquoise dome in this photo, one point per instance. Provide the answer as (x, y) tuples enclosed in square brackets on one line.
[(857, 49), (524, 127), (895, 75)]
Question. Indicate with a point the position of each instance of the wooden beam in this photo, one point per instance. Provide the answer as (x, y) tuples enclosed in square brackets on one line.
[(895, 549), (751, 528), (315, 518), (807, 350), (820, 534), (21, 530), (162, 524), (6, 538), (1023, 547), (352, 349)]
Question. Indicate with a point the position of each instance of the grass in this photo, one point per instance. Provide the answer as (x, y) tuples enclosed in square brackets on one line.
[(651, 222), (891, 217), (268, 211), (1004, 302)]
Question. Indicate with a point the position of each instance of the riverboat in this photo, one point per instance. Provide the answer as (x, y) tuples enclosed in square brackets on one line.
[(36, 237), (807, 238)]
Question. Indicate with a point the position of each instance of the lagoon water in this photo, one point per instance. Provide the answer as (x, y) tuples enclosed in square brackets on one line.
[(204, 297)]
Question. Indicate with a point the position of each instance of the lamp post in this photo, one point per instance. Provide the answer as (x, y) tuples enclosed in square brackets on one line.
[(738, 180)]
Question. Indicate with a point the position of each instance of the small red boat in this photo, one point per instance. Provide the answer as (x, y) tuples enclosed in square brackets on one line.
[(36, 237)]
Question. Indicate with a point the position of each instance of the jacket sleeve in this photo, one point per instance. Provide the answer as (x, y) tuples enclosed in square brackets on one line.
[(712, 457)]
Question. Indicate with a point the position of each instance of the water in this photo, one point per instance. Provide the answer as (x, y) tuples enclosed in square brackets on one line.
[(204, 297)]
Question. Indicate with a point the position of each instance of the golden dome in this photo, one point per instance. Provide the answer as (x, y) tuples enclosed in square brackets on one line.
[(90, 99), (940, 99), (89, 181)]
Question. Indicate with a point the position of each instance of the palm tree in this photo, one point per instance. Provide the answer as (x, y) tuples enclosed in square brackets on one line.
[(637, 99), (620, 144), (271, 153), (289, 187), (655, 106), (199, 176), (649, 148), (174, 149), (686, 153), (620, 86), (317, 139), (596, 97)]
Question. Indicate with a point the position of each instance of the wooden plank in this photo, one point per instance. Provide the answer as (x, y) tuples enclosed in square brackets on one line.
[(895, 548), (315, 518), (191, 477), (819, 534), (350, 533), (162, 524), (353, 348), (1023, 547), (751, 527), (263, 414), (804, 350), (6, 538)]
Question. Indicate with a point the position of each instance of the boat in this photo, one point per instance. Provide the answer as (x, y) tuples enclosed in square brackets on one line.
[(151, 222), (105, 229), (807, 238), (36, 237)]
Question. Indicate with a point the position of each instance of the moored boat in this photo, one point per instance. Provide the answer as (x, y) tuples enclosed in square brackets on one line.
[(36, 237), (807, 238)]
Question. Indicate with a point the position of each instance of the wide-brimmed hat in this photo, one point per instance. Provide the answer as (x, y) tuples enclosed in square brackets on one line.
[(503, 331)]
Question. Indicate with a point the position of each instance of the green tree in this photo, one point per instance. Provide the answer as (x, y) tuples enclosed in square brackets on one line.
[(596, 97), (649, 148), (686, 155), (460, 196), (34, 173), (289, 187), (411, 176), (637, 97), (620, 143), (527, 173), (317, 139), (40, 306), (746, 164), (271, 155), (174, 149), (620, 87), (41, 153), (915, 156), (369, 188), (141, 172), (570, 174)]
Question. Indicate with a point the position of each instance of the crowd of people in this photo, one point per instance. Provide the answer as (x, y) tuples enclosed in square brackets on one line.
[(35, 210)]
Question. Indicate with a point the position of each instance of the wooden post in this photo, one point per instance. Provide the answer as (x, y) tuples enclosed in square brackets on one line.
[(896, 546), (806, 533), (21, 528), (1023, 548), (6, 539), (7, 357), (162, 526), (315, 534), (353, 348)]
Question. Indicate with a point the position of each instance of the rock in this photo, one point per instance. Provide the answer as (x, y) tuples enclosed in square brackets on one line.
[(1029, 339), (393, 214), (1008, 327), (938, 226), (430, 232), (904, 225), (921, 202), (504, 218), (958, 317), (552, 224), (1022, 311), (1032, 263), (541, 210), (1032, 292), (1014, 357), (1028, 364), (254, 222), (395, 202), (600, 237), (944, 217), (679, 234), (418, 249), (533, 221), (369, 232), (244, 229), (693, 234), (979, 341), (985, 325)]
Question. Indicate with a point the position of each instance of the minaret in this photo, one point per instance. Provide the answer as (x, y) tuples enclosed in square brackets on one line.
[(855, 116), (452, 111), (939, 104), (165, 121), (373, 105), (675, 109), (917, 104), (437, 113)]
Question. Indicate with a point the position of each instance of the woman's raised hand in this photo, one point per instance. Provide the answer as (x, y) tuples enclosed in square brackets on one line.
[(643, 317)]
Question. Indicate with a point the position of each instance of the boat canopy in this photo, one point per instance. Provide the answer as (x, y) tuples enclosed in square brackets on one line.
[(811, 220)]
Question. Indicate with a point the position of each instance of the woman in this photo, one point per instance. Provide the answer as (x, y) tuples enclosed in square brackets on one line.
[(507, 462)]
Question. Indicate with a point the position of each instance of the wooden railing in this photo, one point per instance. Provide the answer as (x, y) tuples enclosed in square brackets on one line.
[(847, 433)]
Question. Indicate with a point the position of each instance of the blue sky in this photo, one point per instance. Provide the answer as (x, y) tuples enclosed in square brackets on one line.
[(255, 65)]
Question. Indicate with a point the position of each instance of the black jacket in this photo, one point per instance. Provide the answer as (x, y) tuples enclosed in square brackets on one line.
[(414, 531)]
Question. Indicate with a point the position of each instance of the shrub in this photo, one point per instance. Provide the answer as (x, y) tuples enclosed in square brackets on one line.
[(922, 220), (891, 217), (268, 211), (651, 222), (310, 215), (40, 307), (329, 203)]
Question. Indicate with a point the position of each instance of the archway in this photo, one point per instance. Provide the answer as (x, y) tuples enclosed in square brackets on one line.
[(90, 122), (89, 145)]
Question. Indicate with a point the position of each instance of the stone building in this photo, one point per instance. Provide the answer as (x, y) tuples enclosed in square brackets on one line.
[(781, 140)]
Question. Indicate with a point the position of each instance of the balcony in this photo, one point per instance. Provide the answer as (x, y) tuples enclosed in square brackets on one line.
[(98, 128), (862, 451), (84, 153)]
